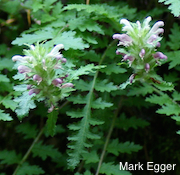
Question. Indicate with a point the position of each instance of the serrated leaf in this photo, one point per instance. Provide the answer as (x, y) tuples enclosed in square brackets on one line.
[(115, 147), (162, 99), (8, 102), (38, 36), (30, 170), (4, 116), (90, 25), (25, 103), (113, 68), (51, 122), (91, 157), (69, 40), (125, 123), (112, 169), (6, 64), (29, 131), (140, 90), (174, 42), (169, 109), (9, 157), (100, 104), (3, 78), (78, 99), (44, 151), (174, 6), (82, 85), (173, 57), (105, 86)]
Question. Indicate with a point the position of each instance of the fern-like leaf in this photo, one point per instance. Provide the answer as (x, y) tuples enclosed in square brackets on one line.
[(174, 6), (115, 147), (111, 169)]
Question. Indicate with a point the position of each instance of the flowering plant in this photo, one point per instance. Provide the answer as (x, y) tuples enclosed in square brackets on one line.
[(140, 47), (45, 73)]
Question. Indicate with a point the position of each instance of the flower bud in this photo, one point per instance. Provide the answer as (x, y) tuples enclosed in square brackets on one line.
[(51, 108), (151, 39), (67, 85), (29, 86), (63, 60), (55, 51), (147, 67), (131, 78), (37, 78), (57, 81), (32, 91), (23, 69), (159, 55), (142, 53), (119, 53), (124, 39), (128, 57)]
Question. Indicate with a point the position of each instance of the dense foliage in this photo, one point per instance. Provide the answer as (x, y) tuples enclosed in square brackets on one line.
[(73, 102)]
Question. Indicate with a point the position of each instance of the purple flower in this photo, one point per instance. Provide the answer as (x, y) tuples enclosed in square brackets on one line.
[(142, 53), (34, 91), (57, 81), (124, 39), (151, 39), (159, 55), (147, 67), (51, 108), (37, 78), (156, 26), (131, 78), (67, 85), (63, 60), (23, 69)]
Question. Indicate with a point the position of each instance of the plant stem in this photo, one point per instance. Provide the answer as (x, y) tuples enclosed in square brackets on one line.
[(87, 2), (29, 151), (108, 136)]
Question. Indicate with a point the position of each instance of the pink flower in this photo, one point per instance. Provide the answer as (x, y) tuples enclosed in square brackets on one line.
[(32, 91), (147, 67), (124, 39), (57, 81), (159, 55), (67, 85), (142, 53), (23, 69)]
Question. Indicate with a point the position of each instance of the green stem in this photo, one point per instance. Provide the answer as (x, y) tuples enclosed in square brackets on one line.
[(29, 151), (108, 137)]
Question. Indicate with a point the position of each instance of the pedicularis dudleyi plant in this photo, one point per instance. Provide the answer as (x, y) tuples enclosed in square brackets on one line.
[(45, 74), (140, 44), (65, 85)]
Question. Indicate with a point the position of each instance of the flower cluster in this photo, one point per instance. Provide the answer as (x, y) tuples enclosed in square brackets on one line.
[(44, 73), (140, 47)]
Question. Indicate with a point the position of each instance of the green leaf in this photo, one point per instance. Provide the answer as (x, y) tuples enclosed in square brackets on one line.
[(3, 78), (29, 131), (115, 147), (9, 157), (110, 169), (69, 40), (44, 151), (8, 102), (104, 86), (25, 104), (125, 123), (38, 36), (27, 169), (113, 68), (51, 122), (4, 116), (174, 42), (169, 109), (173, 57), (6, 64), (99, 103), (90, 24), (174, 6), (156, 99), (140, 90), (91, 157)]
